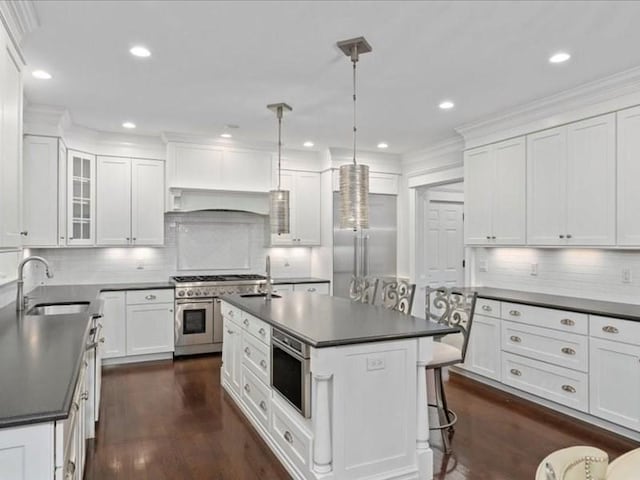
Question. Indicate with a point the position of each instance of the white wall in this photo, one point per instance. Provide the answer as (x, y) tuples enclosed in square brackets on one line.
[(147, 264), (589, 273)]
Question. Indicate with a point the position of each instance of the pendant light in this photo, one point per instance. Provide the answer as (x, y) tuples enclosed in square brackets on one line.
[(279, 199), (354, 177)]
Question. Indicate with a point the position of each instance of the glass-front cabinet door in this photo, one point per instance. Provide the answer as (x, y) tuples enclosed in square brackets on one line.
[(81, 175)]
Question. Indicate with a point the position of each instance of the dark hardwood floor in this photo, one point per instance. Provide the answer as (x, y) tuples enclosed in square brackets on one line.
[(171, 420)]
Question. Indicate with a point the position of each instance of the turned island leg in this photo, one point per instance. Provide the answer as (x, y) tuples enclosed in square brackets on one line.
[(322, 444)]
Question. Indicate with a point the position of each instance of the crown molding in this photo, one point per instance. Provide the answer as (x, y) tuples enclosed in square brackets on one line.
[(20, 18), (438, 149), (607, 94)]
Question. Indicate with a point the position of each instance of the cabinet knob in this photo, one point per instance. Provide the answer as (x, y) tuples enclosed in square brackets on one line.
[(247, 350), (561, 236), (288, 437), (486, 308), (568, 322), (230, 332), (569, 235), (514, 313), (488, 237), (568, 388), (312, 289), (24, 233), (263, 364), (230, 313), (516, 372), (247, 388), (493, 237), (263, 406), (610, 329), (568, 351), (262, 332), (127, 239), (515, 339), (150, 297), (134, 239), (246, 322)]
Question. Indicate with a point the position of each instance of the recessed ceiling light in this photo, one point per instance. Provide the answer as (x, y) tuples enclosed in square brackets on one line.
[(446, 105), (226, 135), (129, 125), (41, 75), (308, 144), (559, 57), (140, 51), (383, 145)]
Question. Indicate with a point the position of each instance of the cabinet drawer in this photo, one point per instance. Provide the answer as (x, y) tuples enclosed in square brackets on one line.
[(625, 331), (283, 287), (232, 313), (558, 384), (256, 396), (321, 288), (255, 355), (290, 437), (139, 297), (546, 317), (257, 328), (559, 348), (490, 308)]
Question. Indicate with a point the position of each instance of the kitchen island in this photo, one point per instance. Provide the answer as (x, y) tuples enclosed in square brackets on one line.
[(336, 389)]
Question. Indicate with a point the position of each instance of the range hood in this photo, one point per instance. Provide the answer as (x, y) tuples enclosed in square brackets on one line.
[(196, 199)]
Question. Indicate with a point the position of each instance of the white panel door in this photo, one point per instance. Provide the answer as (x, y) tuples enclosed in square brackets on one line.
[(444, 244), (614, 382), (307, 208), (114, 325), (479, 184), (40, 191), (149, 329), (10, 149), (591, 181), (509, 192), (113, 201), (147, 202), (546, 187), (483, 354), (26, 453), (628, 175)]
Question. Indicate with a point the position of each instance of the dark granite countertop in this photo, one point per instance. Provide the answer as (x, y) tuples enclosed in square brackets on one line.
[(324, 321), (624, 311), (40, 356), (299, 280)]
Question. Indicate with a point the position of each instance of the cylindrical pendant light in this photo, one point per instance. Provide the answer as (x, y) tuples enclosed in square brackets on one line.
[(279, 199), (354, 178)]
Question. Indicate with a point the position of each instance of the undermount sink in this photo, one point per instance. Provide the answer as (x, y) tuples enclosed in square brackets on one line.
[(58, 308), (250, 295)]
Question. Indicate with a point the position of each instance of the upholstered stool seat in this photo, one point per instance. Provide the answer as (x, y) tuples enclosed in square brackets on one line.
[(445, 354)]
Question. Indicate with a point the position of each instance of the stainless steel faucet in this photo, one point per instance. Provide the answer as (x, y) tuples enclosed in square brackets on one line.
[(21, 300), (269, 281)]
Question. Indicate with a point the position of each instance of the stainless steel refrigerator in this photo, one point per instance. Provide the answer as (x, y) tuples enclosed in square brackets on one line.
[(369, 252)]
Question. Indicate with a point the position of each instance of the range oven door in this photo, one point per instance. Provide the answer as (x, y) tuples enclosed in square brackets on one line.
[(291, 377), (194, 322)]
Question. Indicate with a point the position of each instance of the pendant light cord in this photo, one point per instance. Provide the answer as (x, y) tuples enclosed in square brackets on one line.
[(354, 60), (279, 143)]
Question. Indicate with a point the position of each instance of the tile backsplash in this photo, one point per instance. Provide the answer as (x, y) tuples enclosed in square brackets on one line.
[(576, 272), (151, 264)]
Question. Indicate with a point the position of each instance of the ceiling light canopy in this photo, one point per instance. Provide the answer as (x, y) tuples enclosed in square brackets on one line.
[(279, 199), (559, 57), (129, 125), (226, 135), (41, 75), (308, 144), (354, 177), (140, 51), (383, 145), (446, 105)]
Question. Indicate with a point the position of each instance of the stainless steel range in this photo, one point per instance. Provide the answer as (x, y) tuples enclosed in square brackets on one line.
[(198, 322)]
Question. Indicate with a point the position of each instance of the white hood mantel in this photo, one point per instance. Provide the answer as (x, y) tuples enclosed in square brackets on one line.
[(189, 199)]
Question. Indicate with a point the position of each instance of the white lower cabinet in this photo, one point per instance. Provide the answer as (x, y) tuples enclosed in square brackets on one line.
[(256, 396), (615, 382), (114, 314), (149, 329), (320, 288), (27, 453), (232, 355), (293, 440), (483, 353)]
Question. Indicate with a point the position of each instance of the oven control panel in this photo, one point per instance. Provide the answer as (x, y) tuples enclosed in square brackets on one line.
[(204, 291)]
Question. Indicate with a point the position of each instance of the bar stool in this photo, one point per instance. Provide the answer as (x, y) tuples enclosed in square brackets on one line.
[(454, 308), (363, 289), (398, 295)]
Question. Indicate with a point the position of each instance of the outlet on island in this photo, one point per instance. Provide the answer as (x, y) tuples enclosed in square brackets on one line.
[(375, 363)]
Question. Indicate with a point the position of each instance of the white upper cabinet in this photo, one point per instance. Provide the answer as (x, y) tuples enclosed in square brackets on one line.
[(628, 175), (81, 178), (10, 144), (304, 209), (208, 167), (571, 184), (130, 201), (495, 194), (40, 191)]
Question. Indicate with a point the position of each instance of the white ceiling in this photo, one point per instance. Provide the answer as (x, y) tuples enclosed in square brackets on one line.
[(217, 63)]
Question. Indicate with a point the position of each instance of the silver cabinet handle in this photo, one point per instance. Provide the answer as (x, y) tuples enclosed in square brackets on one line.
[(488, 237), (288, 437), (610, 329), (230, 332), (569, 235), (71, 467), (312, 289), (246, 322), (263, 406), (493, 237), (262, 332), (568, 388), (515, 313), (561, 236), (247, 350), (516, 372), (150, 297), (247, 388), (568, 351), (230, 313), (568, 322), (515, 339), (263, 364), (84, 396), (486, 308)]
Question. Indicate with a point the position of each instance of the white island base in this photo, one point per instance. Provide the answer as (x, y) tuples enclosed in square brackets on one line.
[(369, 405)]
